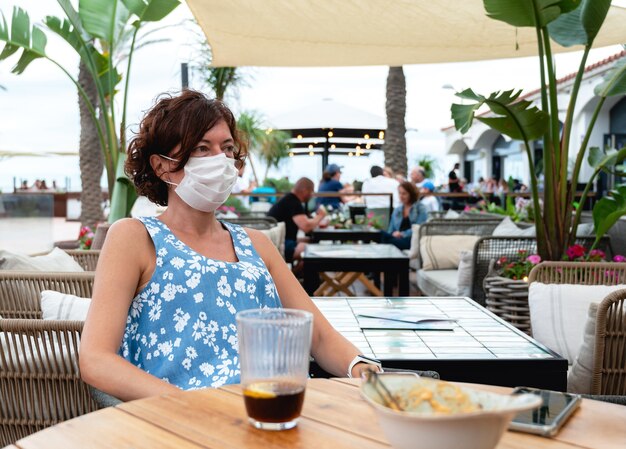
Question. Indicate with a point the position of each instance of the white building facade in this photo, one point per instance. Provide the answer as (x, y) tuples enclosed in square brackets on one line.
[(484, 152)]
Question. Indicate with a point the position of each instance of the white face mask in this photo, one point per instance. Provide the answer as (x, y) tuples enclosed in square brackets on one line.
[(208, 181)]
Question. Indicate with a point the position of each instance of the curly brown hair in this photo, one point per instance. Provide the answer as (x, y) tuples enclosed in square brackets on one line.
[(176, 120)]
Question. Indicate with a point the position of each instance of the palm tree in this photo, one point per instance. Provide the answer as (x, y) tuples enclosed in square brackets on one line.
[(93, 35), (395, 140), (249, 123), (273, 149), (90, 155)]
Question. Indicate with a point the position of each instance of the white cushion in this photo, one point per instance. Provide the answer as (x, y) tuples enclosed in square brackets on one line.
[(451, 214), (277, 236), (61, 306), (55, 260), (437, 282), (441, 252), (415, 235), (580, 376), (507, 228), (464, 281), (584, 229), (558, 313)]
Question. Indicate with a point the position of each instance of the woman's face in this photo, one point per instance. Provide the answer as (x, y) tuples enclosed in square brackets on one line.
[(405, 198), (215, 141)]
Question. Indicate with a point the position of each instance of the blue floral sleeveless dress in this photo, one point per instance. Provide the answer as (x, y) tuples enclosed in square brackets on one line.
[(181, 326)]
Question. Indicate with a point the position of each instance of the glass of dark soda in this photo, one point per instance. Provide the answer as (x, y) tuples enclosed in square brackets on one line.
[(274, 348)]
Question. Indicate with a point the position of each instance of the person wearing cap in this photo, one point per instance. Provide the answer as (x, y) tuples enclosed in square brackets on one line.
[(428, 200), (330, 183)]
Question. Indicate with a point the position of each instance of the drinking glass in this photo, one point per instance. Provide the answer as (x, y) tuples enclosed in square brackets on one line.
[(274, 348)]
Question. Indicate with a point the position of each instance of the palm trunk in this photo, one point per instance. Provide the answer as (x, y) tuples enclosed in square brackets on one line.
[(90, 155), (395, 139)]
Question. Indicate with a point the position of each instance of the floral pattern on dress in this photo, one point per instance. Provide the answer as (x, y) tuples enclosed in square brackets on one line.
[(181, 327)]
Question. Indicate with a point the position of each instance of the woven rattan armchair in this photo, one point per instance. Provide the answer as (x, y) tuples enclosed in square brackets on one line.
[(40, 383), (609, 358), (489, 249), (88, 259), (456, 226), (20, 291)]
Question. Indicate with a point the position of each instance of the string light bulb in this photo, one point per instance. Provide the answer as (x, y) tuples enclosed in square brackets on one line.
[(367, 136), (381, 135), (330, 134), (300, 136), (311, 153)]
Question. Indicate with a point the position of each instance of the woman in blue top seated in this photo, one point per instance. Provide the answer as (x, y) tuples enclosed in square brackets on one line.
[(167, 288), (410, 212)]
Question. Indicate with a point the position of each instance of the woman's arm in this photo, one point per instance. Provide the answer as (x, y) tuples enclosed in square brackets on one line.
[(331, 350), (126, 261)]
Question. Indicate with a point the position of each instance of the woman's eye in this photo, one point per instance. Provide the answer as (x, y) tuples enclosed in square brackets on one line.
[(201, 149), (229, 149)]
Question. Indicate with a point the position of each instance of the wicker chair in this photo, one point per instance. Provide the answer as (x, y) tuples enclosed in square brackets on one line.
[(20, 291), (488, 249), (40, 382), (609, 358), (88, 259)]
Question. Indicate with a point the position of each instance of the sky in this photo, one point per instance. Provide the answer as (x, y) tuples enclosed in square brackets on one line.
[(39, 111)]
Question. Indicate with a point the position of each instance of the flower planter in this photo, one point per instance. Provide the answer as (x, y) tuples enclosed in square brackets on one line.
[(508, 299)]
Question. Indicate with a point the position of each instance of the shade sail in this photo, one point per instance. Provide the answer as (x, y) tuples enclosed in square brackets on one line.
[(367, 32)]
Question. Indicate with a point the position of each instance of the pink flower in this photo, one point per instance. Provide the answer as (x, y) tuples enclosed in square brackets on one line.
[(575, 251), (619, 258), (534, 259), (597, 253)]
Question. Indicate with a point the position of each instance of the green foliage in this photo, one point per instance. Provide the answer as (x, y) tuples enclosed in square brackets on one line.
[(236, 204), (280, 184), (568, 22), (429, 164), (97, 31), (515, 118), (608, 210)]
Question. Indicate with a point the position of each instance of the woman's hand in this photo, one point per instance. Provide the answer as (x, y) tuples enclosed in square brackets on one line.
[(397, 234), (360, 368)]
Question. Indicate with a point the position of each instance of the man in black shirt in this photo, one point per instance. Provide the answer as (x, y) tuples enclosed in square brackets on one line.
[(290, 211)]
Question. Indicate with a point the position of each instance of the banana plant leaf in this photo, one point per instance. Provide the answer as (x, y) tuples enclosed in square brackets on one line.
[(521, 13), (614, 82), (150, 10), (580, 26), (32, 41), (608, 210), (518, 119), (124, 194)]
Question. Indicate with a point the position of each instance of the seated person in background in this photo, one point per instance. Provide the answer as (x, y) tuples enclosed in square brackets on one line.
[(410, 212), (428, 200), (330, 183), (289, 210), (167, 288), (418, 176), (379, 183)]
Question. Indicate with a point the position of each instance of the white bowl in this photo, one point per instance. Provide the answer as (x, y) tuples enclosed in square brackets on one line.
[(470, 430)]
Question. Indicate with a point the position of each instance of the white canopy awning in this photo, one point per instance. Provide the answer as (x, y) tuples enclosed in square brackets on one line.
[(367, 32)]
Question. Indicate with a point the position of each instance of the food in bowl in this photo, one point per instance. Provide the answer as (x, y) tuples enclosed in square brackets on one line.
[(417, 413)]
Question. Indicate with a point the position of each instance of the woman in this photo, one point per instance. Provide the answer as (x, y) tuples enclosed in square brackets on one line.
[(167, 288), (410, 212)]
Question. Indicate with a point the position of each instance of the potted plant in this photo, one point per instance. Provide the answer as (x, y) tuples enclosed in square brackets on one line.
[(567, 22), (506, 285)]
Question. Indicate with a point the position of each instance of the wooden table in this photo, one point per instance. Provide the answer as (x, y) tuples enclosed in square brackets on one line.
[(366, 258), (334, 417), (480, 347)]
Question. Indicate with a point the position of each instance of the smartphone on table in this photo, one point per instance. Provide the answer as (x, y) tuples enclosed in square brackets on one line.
[(546, 420)]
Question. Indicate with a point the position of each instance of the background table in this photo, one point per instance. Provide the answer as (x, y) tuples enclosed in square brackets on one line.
[(364, 258), (365, 235), (482, 348), (334, 416)]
